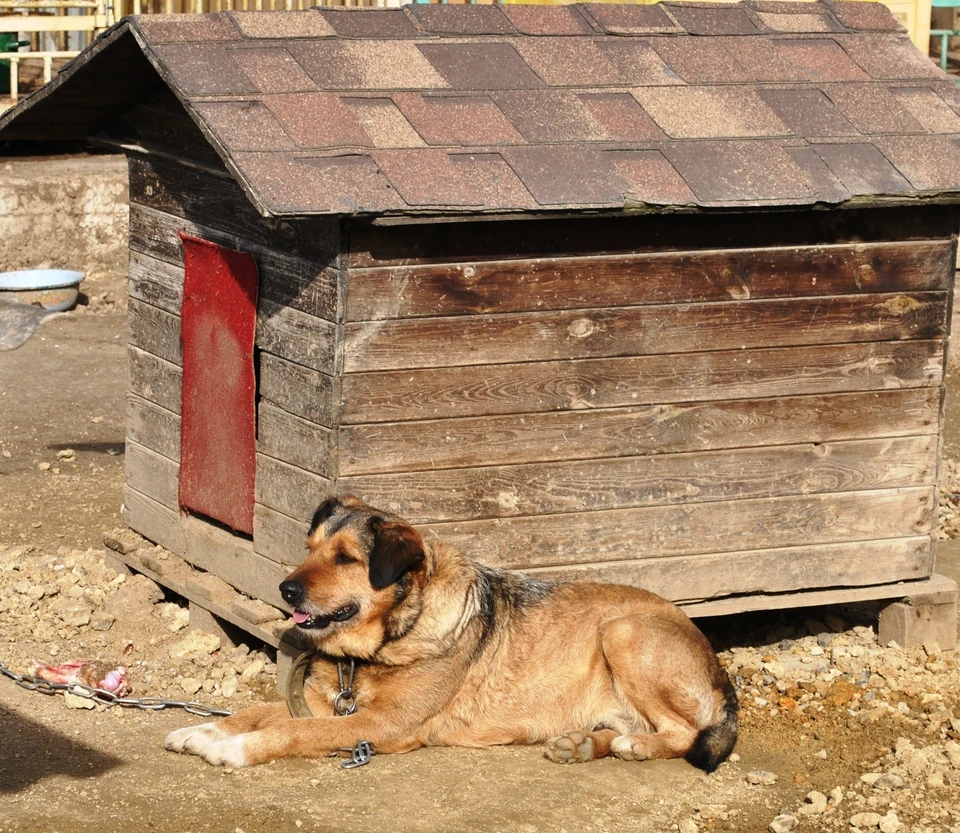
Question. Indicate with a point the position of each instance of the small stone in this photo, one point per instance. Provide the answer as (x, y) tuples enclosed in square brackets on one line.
[(865, 820), (889, 781), (179, 619), (816, 804), (72, 701), (688, 826), (252, 670), (870, 778), (761, 777), (711, 812), (228, 688), (822, 754), (734, 758), (191, 685), (195, 642), (836, 795), (890, 823), (44, 467), (66, 454), (952, 751), (102, 621), (71, 612), (783, 824)]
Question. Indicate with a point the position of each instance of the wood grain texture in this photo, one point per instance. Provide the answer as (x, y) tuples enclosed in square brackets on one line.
[(661, 278), (152, 474), (153, 427), (692, 578), (653, 429), (396, 396), (154, 379), (640, 331), (660, 531), (297, 336), (615, 483), (293, 440), (155, 331), (152, 520), (299, 390), (290, 490), (156, 282), (278, 537)]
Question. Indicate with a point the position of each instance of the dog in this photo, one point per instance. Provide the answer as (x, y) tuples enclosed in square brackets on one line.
[(449, 652)]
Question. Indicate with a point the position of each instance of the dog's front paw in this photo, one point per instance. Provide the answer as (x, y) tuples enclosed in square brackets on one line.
[(629, 748), (193, 739), (231, 752), (571, 748)]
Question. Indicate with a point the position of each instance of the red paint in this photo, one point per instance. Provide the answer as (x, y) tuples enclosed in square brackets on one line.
[(218, 416)]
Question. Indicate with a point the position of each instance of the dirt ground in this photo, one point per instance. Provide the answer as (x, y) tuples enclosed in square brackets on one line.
[(73, 770)]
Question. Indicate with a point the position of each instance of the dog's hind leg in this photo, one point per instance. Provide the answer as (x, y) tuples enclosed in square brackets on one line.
[(664, 670)]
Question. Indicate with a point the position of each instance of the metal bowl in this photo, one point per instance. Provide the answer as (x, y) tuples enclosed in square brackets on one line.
[(52, 289)]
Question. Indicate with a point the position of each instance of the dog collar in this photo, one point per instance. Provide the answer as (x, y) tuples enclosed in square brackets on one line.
[(343, 704)]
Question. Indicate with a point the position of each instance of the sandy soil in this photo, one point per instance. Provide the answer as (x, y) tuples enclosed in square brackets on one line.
[(823, 704)]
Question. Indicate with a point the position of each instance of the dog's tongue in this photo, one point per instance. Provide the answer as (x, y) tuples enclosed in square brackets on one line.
[(300, 617)]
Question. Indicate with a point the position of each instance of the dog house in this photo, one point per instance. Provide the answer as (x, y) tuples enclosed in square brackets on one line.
[(651, 294)]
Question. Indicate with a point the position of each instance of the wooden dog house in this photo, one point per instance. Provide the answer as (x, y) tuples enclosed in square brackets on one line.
[(653, 294)]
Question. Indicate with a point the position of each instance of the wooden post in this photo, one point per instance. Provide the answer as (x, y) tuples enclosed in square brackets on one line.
[(915, 620)]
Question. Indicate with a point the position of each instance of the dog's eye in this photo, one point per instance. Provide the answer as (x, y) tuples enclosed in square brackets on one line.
[(343, 558)]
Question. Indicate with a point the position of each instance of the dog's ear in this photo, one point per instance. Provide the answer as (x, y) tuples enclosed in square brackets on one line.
[(397, 549), (324, 511)]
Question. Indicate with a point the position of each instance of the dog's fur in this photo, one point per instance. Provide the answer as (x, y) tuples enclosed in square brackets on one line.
[(452, 653)]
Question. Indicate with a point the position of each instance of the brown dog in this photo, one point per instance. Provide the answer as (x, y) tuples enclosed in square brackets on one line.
[(452, 653)]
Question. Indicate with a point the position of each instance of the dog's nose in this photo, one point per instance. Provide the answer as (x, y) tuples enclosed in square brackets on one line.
[(292, 592)]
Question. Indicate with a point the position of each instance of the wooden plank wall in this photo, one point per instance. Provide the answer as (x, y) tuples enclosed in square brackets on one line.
[(699, 422), (296, 336)]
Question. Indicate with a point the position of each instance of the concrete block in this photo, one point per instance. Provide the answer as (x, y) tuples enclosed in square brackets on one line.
[(914, 621)]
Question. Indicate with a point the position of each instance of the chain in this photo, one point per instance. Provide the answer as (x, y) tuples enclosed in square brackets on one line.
[(108, 698), (346, 700)]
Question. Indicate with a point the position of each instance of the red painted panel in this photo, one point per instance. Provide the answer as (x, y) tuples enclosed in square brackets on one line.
[(218, 419)]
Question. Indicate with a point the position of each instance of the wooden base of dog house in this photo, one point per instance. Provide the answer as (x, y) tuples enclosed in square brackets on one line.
[(919, 611)]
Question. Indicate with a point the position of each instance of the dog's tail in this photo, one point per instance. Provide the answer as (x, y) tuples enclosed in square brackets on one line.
[(714, 743)]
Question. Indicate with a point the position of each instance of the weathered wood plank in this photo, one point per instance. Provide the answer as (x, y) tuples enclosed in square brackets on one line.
[(152, 475), (659, 531), (152, 520), (218, 201), (155, 331), (299, 390), (291, 334), (155, 379), (293, 440), (310, 286), (278, 537), (692, 578), (694, 477), (156, 282), (153, 427), (661, 278), (288, 489), (638, 331), (654, 429), (397, 396)]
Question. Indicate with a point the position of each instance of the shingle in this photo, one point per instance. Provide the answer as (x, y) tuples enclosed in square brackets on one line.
[(338, 184), (435, 178), (317, 120), (480, 66), (366, 65), (567, 175), (650, 178), (789, 7), (547, 20), (739, 172), (186, 28), (638, 62), (709, 112), (369, 23), (931, 163), (273, 70), (808, 112), (865, 16), (466, 120), (281, 24), (872, 109), (621, 116), (889, 57), (798, 23), (928, 108), (862, 169), (462, 20), (699, 60), (818, 59), (713, 19), (244, 125), (549, 116), (383, 122), (204, 69), (569, 62), (826, 186), (617, 19)]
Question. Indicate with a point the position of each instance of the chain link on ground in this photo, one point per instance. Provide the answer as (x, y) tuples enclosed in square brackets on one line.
[(108, 698)]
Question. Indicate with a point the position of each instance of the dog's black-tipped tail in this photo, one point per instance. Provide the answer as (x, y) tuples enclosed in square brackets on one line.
[(716, 742)]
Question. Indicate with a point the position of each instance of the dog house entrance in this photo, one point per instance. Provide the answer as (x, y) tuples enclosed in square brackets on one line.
[(218, 408)]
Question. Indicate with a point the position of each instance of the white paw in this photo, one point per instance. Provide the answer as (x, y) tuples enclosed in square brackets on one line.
[(193, 739), (625, 748), (226, 752)]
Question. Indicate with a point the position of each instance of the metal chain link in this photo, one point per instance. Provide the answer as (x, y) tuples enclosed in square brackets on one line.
[(108, 698)]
